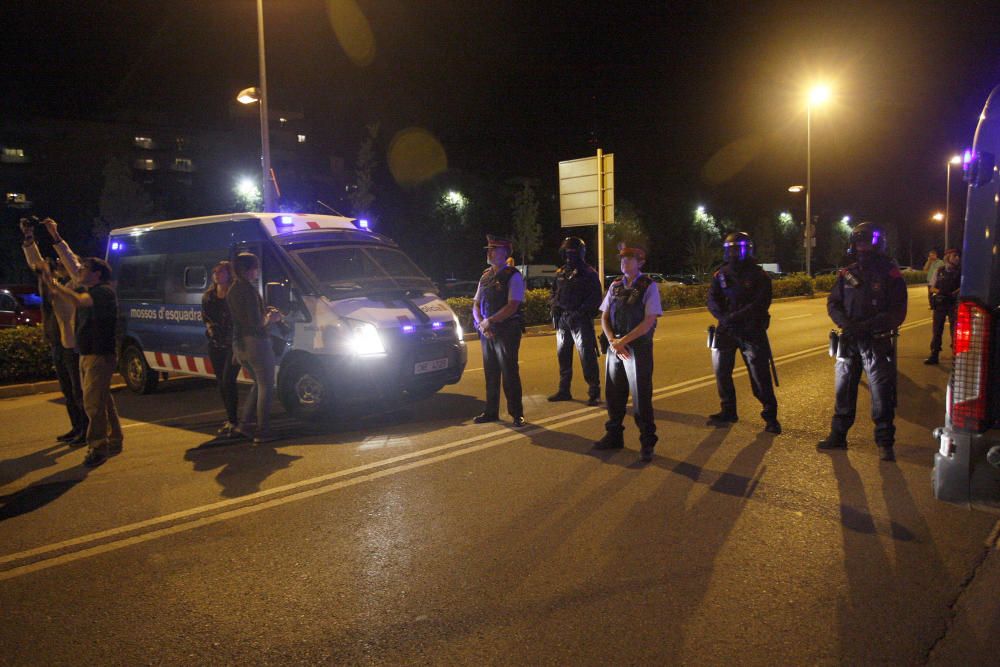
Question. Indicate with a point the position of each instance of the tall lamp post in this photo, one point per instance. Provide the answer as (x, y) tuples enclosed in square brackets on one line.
[(251, 95), (955, 159), (817, 96)]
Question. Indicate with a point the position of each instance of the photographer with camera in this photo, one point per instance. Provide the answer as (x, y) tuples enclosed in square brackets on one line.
[(59, 324), (96, 321)]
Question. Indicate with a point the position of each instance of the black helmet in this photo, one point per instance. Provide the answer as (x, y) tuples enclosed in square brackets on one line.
[(571, 245), (869, 232), (739, 243)]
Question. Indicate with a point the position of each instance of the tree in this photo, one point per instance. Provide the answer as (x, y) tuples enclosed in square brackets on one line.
[(763, 240), (123, 202), (628, 228), (363, 196), (703, 246), (527, 236)]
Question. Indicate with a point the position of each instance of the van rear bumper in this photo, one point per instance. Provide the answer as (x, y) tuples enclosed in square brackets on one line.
[(962, 474)]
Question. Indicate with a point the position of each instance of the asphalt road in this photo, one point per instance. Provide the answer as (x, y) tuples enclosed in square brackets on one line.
[(411, 535)]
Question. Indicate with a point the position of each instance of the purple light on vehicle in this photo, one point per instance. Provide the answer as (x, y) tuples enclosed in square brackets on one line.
[(116, 246), (407, 328), (437, 325), (285, 220), (875, 235), (363, 223), (967, 157)]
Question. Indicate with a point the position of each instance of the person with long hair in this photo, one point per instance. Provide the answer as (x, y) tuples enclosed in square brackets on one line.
[(252, 347), (219, 330)]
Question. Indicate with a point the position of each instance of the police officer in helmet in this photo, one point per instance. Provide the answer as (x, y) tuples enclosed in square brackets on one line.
[(868, 303), (497, 310), (575, 301), (739, 299), (629, 313)]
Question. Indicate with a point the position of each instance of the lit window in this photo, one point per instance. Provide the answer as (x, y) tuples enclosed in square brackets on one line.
[(17, 198), (283, 121), (181, 143), (13, 152), (183, 164), (144, 142), (145, 164), (302, 138)]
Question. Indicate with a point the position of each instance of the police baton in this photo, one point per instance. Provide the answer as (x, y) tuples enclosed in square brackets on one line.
[(770, 359)]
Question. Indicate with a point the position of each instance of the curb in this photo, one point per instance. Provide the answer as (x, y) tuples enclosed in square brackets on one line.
[(44, 387)]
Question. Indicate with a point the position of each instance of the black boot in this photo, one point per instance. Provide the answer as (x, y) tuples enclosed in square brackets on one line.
[(560, 396), (723, 417), (886, 453), (773, 426), (931, 360), (833, 441), (610, 441)]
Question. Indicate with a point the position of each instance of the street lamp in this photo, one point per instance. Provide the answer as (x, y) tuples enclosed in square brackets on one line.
[(259, 95), (817, 97), (955, 159)]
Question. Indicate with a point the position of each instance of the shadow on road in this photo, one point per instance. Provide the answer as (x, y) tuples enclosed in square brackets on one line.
[(921, 404), (41, 493), (243, 466), (12, 470)]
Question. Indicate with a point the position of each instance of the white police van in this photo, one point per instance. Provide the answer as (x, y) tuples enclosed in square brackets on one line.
[(365, 324), (967, 464)]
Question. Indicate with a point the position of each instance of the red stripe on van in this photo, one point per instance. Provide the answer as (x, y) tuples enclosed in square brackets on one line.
[(159, 360), (313, 225), (192, 366), (208, 366), (175, 362)]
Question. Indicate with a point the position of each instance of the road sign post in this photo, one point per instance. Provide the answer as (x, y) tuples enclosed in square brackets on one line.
[(586, 196)]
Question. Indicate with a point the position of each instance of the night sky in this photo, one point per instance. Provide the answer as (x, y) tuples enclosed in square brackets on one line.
[(700, 102)]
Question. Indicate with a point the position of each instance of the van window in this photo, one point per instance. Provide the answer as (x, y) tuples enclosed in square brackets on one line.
[(195, 277), (141, 277), (335, 265)]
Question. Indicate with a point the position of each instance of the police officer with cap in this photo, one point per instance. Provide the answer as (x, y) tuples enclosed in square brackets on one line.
[(575, 301), (629, 313), (739, 299), (498, 314), (868, 303)]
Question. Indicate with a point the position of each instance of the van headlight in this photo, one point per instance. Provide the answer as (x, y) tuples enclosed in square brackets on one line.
[(458, 330), (365, 341)]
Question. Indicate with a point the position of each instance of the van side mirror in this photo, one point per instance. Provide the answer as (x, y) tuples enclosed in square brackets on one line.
[(279, 296)]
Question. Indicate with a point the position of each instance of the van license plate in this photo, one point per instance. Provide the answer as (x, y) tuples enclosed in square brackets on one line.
[(430, 366)]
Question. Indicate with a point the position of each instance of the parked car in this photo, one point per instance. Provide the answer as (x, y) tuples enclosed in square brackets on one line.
[(19, 305), (683, 278), (967, 463)]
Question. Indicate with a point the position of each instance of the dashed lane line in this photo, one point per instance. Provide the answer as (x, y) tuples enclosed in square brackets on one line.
[(93, 544)]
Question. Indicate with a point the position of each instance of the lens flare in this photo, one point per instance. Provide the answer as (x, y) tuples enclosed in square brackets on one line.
[(352, 30), (415, 155)]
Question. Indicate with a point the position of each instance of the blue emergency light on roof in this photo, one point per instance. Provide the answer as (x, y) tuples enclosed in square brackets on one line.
[(117, 245), (285, 220), (437, 325), (363, 223), (407, 328)]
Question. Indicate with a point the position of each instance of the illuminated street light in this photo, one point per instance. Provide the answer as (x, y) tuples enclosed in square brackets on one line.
[(456, 199), (700, 210), (796, 188), (253, 94), (938, 217), (955, 159), (818, 96), (248, 192)]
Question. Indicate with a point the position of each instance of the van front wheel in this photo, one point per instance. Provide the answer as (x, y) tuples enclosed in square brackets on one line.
[(139, 377), (305, 391)]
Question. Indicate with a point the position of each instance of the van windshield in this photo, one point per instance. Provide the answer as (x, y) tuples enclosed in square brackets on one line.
[(340, 270)]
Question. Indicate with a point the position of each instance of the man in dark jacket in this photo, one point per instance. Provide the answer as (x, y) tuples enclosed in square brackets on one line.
[(575, 301), (944, 298), (739, 299), (868, 303)]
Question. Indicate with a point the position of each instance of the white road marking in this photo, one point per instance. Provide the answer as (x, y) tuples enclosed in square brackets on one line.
[(327, 483)]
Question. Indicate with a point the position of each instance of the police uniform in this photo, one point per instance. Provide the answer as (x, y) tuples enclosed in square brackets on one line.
[(868, 303), (500, 351), (947, 281), (739, 298), (627, 306), (575, 301)]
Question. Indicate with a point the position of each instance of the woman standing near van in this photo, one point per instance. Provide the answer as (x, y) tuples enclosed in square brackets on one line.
[(219, 329), (252, 346)]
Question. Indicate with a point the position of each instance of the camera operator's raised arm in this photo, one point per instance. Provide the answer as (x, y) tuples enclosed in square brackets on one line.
[(68, 257), (30, 248)]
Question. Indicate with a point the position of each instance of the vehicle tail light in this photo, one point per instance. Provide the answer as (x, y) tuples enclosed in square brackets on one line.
[(969, 381)]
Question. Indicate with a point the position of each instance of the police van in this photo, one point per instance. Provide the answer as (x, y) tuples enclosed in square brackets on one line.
[(967, 464), (363, 323)]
